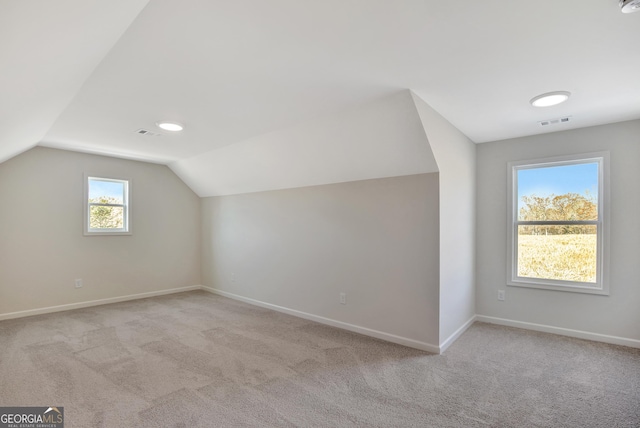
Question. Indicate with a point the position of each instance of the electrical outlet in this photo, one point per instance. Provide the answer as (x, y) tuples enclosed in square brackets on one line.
[(79, 283), (233, 277), (343, 298), (501, 295)]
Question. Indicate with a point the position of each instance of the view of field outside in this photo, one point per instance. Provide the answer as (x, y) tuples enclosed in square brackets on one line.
[(108, 193), (562, 193)]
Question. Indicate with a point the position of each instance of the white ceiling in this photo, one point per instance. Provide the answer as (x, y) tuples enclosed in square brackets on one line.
[(384, 138), (231, 71), (47, 51)]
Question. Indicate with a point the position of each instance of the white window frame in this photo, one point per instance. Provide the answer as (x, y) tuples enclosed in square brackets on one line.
[(602, 224), (126, 205)]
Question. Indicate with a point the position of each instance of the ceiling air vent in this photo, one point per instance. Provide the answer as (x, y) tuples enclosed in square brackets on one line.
[(148, 133), (550, 122)]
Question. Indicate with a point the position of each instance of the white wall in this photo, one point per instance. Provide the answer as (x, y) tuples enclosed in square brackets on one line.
[(42, 247), (376, 240), (615, 315), (455, 155)]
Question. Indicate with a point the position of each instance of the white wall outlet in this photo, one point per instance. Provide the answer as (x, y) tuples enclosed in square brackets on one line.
[(233, 277), (501, 295), (343, 298), (79, 283)]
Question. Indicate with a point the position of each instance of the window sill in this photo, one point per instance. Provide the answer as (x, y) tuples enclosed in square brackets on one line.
[(572, 287), (108, 233)]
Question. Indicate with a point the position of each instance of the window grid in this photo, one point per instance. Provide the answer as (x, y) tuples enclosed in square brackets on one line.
[(125, 206), (601, 284)]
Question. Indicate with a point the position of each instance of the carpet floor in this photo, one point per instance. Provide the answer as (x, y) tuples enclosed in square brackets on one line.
[(199, 360)]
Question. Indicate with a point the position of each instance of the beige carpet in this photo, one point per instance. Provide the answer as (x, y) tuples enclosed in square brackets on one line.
[(199, 360)]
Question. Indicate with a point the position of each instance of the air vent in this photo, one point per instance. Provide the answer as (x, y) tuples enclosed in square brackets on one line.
[(550, 122), (148, 133)]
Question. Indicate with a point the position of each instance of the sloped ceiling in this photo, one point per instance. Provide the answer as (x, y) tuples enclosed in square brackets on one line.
[(240, 72), (47, 50), (383, 138)]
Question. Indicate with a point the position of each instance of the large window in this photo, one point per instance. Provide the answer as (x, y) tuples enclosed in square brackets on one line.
[(559, 224), (107, 207)]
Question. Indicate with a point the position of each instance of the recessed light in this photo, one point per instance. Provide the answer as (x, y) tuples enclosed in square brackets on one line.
[(170, 126), (629, 6), (550, 99)]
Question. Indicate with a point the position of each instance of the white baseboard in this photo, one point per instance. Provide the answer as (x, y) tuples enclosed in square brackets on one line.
[(615, 340), (444, 345), (90, 303), (423, 346), (579, 334)]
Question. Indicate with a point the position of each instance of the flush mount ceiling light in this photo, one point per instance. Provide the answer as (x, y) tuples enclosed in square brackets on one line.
[(629, 6), (170, 126), (550, 98)]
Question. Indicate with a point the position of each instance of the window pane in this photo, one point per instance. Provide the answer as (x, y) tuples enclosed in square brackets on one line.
[(106, 192), (106, 217), (568, 192), (567, 253)]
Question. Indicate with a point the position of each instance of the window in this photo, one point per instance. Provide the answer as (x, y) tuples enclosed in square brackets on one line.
[(106, 205), (558, 227)]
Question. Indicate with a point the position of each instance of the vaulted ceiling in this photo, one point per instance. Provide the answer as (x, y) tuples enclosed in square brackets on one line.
[(86, 75)]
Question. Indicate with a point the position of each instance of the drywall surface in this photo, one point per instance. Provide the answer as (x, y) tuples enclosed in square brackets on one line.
[(455, 155), (49, 50), (374, 240), (43, 249), (383, 138), (613, 315)]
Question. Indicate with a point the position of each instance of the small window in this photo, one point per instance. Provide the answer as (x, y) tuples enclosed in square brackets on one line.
[(107, 209), (559, 224)]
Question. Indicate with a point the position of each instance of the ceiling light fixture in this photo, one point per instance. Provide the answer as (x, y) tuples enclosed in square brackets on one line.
[(629, 6), (170, 126), (550, 98)]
